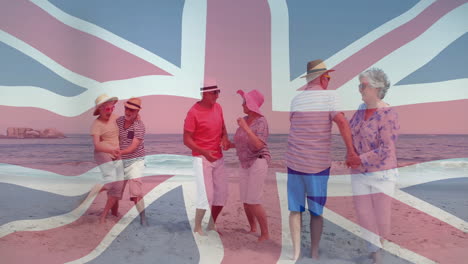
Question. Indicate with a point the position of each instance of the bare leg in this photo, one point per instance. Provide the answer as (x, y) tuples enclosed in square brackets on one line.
[(111, 200), (295, 219), (215, 211), (199, 213), (316, 227), (250, 218), (140, 205), (115, 209), (259, 213), (377, 257)]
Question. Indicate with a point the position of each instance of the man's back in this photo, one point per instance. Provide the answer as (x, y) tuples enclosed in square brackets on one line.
[(309, 140)]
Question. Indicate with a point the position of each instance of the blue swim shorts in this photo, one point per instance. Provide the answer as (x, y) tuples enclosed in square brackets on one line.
[(310, 185)]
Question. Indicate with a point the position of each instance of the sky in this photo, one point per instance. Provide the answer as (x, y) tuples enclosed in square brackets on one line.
[(241, 52)]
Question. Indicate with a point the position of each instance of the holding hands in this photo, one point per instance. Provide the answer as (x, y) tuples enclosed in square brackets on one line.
[(225, 143), (352, 160), (116, 154)]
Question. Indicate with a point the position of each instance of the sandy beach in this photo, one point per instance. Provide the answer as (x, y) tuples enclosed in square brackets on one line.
[(50, 229)]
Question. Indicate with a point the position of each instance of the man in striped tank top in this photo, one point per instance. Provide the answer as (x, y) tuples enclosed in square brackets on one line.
[(131, 140), (308, 155)]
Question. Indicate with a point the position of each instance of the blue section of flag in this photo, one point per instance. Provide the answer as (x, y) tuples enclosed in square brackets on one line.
[(316, 32), (448, 195), (349, 245), (18, 69), (169, 232), (155, 25), (450, 64), (20, 203)]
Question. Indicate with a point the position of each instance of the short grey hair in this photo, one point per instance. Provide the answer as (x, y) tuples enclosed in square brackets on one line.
[(377, 79)]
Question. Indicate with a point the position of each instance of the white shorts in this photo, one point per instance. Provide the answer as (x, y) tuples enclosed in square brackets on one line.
[(133, 174), (211, 181), (112, 173), (251, 182), (112, 170), (372, 196)]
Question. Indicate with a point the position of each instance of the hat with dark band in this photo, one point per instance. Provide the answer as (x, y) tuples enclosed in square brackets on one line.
[(133, 103), (211, 88), (315, 69)]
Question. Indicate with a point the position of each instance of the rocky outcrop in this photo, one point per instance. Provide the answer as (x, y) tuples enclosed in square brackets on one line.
[(26, 132), (51, 133)]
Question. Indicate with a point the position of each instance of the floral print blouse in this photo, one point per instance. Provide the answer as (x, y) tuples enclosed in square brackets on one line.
[(374, 139), (246, 151)]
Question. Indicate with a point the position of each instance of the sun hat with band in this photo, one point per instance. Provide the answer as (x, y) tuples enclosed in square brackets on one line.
[(253, 100), (103, 98), (209, 85), (315, 69), (133, 103)]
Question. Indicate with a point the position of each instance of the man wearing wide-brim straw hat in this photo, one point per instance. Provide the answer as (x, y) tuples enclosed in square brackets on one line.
[(315, 69), (308, 156)]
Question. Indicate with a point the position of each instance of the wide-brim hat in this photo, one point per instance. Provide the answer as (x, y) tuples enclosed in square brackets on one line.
[(253, 100), (103, 98), (133, 103), (315, 69)]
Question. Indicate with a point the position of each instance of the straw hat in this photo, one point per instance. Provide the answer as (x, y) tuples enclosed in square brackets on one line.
[(103, 98), (315, 69), (209, 85), (133, 103)]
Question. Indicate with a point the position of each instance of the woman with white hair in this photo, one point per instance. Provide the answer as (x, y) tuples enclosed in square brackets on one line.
[(374, 127)]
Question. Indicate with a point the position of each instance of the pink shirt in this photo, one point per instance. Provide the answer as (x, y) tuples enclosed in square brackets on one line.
[(206, 124)]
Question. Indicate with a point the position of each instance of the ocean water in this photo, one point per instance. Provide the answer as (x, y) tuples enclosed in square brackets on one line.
[(162, 148)]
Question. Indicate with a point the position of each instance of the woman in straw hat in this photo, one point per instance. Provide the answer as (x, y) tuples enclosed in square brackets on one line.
[(250, 142), (105, 135)]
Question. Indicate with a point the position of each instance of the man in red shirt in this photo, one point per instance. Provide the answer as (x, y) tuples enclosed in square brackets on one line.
[(205, 134)]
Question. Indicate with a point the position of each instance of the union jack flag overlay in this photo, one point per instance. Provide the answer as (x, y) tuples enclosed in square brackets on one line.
[(57, 56)]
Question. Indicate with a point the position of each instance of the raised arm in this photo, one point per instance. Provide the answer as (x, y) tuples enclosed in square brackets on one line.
[(253, 138)]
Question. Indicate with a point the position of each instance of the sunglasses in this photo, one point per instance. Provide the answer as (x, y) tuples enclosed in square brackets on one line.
[(362, 86), (109, 108), (215, 92)]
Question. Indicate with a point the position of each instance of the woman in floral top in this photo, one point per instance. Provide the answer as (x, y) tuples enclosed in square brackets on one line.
[(250, 143), (374, 128)]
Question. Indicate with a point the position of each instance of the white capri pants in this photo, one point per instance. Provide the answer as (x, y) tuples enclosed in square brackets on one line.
[(211, 181)]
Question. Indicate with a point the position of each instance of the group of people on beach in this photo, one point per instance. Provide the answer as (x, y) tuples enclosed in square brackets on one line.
[(119, 150), (370, 137)]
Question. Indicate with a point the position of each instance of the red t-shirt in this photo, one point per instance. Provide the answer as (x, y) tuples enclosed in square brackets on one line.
[(207, 127)]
